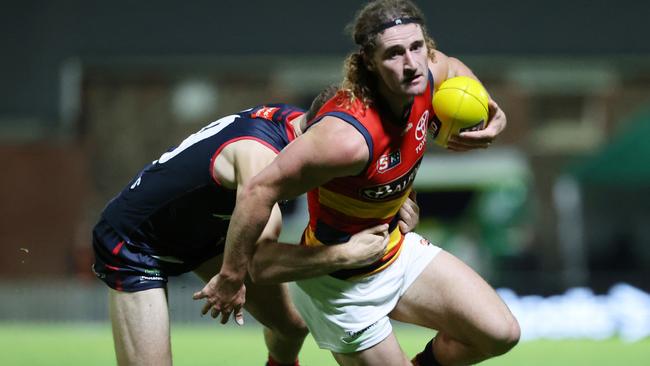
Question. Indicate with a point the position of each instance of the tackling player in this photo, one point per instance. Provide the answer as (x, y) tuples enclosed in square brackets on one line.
[(172, 219)]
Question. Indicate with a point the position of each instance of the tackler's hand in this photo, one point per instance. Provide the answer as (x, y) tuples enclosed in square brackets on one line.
[(224, 297), (367, 246), (409, 214)]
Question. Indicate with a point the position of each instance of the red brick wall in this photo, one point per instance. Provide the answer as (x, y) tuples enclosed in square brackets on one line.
[(43, 192)]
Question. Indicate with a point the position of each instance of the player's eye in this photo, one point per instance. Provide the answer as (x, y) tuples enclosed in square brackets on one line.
[(417, 46), (394, 53)]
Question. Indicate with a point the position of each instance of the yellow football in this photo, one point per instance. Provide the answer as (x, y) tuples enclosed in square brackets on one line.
[(460, 104)]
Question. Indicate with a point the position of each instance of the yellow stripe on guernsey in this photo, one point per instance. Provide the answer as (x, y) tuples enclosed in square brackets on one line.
[(395, 237), (356, 208)]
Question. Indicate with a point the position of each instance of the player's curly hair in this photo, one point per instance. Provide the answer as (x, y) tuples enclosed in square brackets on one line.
[(359, 82)]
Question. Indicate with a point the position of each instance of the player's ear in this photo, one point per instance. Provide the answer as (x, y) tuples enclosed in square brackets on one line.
[(367, 61), (369, 64)]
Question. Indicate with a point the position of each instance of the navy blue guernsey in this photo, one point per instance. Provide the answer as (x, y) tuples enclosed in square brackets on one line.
[(174, 204)]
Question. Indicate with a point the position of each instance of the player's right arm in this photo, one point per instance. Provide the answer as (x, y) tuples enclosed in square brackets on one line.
[(330, 149), (275, 262)]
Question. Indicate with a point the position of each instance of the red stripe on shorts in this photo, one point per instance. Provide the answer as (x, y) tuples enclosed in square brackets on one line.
[(118, 247)]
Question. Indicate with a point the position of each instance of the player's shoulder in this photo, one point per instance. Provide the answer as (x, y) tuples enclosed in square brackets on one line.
[(343, 106), (439, 67), (273, 112), (338, 135)]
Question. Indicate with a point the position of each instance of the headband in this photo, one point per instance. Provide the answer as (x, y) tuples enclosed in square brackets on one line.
[(383, 26), (397, 21)]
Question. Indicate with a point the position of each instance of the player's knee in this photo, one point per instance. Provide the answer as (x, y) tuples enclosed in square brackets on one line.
[(504, 338), (291, 329)]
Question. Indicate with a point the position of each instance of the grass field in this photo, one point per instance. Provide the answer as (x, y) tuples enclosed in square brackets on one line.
[(91, 344)]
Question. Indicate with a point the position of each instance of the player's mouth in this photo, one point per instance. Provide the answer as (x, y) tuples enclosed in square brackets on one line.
[(412, 80)]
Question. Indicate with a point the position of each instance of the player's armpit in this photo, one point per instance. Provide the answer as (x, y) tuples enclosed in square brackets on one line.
[(239, 161)]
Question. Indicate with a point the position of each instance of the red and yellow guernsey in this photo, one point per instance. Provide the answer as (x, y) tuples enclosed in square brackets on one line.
[(348, 205)]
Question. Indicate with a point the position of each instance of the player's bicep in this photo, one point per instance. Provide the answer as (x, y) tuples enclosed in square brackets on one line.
[(325, 152)]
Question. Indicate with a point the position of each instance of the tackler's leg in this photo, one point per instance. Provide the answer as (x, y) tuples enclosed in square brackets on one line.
[(140, 322)]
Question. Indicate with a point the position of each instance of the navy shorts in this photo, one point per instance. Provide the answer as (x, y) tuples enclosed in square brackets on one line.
[(125, 267)]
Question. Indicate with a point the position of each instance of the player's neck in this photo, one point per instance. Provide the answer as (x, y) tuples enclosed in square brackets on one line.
[(395, 104)]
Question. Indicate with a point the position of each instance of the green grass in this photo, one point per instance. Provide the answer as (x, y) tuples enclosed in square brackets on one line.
[(91, 344)]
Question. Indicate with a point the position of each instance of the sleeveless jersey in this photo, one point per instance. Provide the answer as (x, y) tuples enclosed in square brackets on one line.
[(348, 205), (175, 204)]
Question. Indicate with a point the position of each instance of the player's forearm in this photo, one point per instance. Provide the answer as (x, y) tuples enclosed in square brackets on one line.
[(278, 262), (246, 225)]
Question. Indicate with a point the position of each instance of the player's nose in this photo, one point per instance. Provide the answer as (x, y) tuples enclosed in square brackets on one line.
[(409, 61)]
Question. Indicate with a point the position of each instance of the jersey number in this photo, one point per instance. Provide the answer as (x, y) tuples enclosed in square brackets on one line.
[(207, 131)]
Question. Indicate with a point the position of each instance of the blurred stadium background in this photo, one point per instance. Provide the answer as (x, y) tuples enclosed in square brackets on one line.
[(91, 92)]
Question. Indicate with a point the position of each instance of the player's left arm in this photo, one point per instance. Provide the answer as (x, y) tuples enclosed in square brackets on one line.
[(444, 67)]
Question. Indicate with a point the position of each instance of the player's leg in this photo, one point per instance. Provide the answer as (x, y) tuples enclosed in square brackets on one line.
[(473, 322), (137, 299), (140, 322), (284, 329), (386, 352)]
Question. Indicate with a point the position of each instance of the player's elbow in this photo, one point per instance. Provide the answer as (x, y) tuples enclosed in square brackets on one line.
[(256, 271), (255, 194), (261, 275), (259, 268)]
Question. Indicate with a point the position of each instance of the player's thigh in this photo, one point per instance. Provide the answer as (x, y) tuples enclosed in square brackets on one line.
[(384, 353), (140, 322), (271, 305), (449, 296)]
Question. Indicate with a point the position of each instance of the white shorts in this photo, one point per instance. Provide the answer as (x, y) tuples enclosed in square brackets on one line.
[(351, 315)]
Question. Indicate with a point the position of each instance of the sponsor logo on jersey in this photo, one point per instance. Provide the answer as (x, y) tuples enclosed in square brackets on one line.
[(391, 189), (421, 128), (265, 112), (389, 161)]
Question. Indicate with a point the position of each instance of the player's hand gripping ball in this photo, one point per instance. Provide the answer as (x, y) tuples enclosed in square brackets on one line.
[(460, 104)]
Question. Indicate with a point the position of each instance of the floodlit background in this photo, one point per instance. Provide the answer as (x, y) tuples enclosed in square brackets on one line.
[(555, 213)]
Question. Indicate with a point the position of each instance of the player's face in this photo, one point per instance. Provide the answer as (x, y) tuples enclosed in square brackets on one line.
[(400, 60)]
